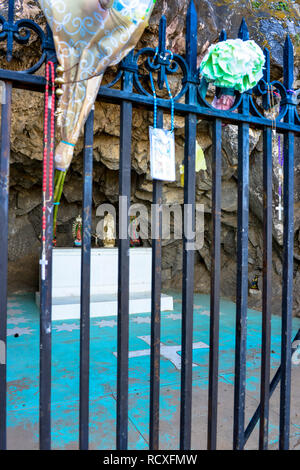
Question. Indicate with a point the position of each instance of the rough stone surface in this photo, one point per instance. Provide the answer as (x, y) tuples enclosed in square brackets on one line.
[(268, 24)]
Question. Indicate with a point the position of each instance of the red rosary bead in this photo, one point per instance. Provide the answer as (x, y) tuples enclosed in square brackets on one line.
[(49, 128)]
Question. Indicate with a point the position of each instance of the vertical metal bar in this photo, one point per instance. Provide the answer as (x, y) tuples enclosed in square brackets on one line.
[(189, 228), (188, 286), (242, 287), (288, 253), (10, 36), (124, 258), (267, 78), (242, 269), (4, 199), (85, 283), (11, 11), (46, 322), (275, 381), (267, 291), (287, 290), (215, 287), (155, 308)]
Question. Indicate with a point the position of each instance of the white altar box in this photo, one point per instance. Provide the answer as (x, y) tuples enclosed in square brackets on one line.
[(104, 282)]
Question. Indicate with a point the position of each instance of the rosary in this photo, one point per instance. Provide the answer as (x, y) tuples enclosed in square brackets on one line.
[(279, 208), (48, 169)]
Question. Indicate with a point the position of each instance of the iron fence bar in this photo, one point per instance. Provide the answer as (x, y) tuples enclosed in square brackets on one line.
[(188, 288), (242, 287), (273, 385), (288, 256), (191, 110), (46, 321), (242, 284), (4, 201), (36, 83), (115, 96), (287, 291), (189, 229), (156, 307), (242, 268), (10, 38), (267, 291), (123, 263), (85, 283), (215, 286)]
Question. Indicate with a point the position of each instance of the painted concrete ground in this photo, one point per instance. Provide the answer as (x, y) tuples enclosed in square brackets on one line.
[(23, 370)]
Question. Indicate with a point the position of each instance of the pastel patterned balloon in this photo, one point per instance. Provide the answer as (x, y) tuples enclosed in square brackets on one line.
[(89, 36)]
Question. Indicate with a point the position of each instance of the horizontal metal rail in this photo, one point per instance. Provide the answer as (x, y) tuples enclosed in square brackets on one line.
[(36, 83)]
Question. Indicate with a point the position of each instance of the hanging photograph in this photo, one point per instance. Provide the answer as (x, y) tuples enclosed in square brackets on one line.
[(162, 154)]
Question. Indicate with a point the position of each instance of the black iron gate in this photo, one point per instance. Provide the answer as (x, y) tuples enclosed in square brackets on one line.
[(244, 114)]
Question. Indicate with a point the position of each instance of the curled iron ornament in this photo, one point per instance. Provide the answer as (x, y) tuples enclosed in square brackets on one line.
[(116, 79), (297, 117), (287, 98), (21, 32), (163, 63), (201, 93)]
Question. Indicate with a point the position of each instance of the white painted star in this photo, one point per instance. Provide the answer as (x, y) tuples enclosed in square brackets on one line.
[(106, 323), (141, 320), (67, 327), (16, 321), (19, 331), (205, 313), (13, 304), (174, 316), (16, 311), (171, 353)]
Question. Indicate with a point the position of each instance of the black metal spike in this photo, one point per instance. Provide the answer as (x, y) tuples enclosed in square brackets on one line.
[(162, 34), (11, 11), (10, 38), (223, 36), (267, 78), (288, 63), (243, 31), (162, 52), (191, 38), (267, 74)]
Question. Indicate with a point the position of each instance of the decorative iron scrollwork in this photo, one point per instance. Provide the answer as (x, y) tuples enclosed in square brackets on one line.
[(163, 63), (21, 32)]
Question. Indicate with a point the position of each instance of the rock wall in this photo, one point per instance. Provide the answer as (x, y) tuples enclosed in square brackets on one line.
[(268, 22)]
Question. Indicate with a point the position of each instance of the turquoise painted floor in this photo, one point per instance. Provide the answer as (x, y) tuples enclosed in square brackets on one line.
[(23, 373)]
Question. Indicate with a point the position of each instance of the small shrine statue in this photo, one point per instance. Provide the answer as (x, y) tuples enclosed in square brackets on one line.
[(109, 238), (134, 232), (223, 102), (77, 231), (254, 283)]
